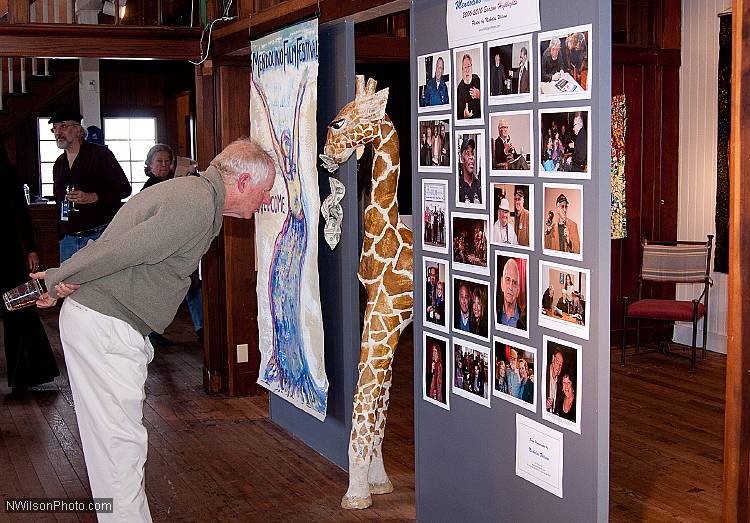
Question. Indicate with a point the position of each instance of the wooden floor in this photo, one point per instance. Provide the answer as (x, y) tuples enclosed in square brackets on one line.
[(667, 435), (210, 458), (213, 458)]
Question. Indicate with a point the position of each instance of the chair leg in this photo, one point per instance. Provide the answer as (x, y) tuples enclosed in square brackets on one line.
[(637, 336), (624, 329), (705, 334), (695, 336)]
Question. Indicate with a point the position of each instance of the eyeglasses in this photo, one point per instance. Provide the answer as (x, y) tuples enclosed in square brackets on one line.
[(60, 127)]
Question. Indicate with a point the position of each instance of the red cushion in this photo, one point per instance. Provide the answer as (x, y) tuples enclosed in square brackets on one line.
[(664, 310)]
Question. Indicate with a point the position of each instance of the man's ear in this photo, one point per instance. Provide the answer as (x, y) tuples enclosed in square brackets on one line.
[(243, 182)]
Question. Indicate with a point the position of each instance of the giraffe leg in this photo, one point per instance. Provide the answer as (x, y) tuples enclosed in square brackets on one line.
[(377, 477), (360, 442)]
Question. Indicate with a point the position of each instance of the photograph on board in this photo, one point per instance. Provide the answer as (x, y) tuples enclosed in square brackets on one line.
[(469, 82), (565, 65), (472, 371), (511, 144), (469, 161), (434, 81), (515, 373), (470, 244), (512, 292), (514, 215), (435, 219), (436, 294), (562, 228), (471, 307), (435, 365), (564, 298), (561, 387), (510, 70), (564, 145)]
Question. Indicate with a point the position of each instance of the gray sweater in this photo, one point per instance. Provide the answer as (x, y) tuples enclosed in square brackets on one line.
[(139, 269)]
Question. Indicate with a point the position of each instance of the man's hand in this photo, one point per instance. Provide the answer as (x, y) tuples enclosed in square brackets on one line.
[(467, 112), (82, 197), (474, 93), (33, 261), (62, 289)]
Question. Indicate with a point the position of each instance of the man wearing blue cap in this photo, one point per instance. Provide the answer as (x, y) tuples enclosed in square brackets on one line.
[(89, 183)]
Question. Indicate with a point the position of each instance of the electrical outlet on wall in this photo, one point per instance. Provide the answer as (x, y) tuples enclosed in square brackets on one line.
[(242, 353)]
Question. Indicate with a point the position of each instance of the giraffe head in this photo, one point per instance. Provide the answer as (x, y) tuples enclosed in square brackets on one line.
[(355, 125)]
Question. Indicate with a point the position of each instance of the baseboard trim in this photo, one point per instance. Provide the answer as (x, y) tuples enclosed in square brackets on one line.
[(683, 333)]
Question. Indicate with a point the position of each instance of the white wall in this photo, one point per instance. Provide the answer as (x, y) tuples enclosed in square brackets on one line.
[(697, 154)]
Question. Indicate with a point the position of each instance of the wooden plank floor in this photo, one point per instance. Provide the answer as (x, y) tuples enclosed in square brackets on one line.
[(213, 458), (667, 438)]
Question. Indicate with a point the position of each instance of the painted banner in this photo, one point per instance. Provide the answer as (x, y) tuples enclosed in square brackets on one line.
[(472, 21), (284, 92)]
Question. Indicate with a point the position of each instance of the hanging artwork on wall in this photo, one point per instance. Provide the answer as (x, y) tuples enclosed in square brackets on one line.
[(617, 168), (283, 120)]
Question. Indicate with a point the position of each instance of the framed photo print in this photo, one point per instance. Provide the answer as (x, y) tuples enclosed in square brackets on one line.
[(565, 71), (472, 375), (565, 148), (511, 70), (434, 82), (434, 216), (515, 368), (435, 144), (435, 370), (470, 85), (436, 294), (561, 388), (512, 292), (564, 298), (513, 214), (470, 249), (562, 227), (471, 307), (470, 183), (511, 144)]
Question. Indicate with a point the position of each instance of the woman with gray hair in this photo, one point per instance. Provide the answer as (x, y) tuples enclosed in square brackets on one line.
[(160, 161)]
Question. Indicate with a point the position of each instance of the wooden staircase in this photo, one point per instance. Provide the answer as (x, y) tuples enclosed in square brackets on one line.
[(30, 85)]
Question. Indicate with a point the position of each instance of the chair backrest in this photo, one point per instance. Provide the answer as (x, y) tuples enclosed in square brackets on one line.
[(676, 262)]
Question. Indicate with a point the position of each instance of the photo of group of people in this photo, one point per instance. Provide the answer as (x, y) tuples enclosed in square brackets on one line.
[(510, 70), (477, 149), (513, 213), (515, 367), (435, 365), (561, 387), (435, 144), (470, 192), (511, 136), (564, 143), (434, 81), (434, 212), (470, 249), (563, 211), (471, 372), (564, 67), (564, 291), (511, 292), (436, 294), (470, 307)]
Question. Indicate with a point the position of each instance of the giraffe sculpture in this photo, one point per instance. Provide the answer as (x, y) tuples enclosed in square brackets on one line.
[(386, 272)]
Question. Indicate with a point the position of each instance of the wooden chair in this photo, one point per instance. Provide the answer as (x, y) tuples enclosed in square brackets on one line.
[(671, 262)]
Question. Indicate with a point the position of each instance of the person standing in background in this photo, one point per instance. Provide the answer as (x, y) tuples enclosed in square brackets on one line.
[(29, 359), (89, 183)]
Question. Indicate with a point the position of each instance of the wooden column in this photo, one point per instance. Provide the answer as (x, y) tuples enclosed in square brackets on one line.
[(737, 417), (230, 302)]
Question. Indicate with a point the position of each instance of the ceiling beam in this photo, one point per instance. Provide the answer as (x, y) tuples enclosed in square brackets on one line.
[(99, 41)]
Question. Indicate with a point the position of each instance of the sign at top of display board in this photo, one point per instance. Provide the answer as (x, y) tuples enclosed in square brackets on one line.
[(472, 21)]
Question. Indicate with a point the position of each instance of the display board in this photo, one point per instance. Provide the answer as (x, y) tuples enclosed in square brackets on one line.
[(511, 149)]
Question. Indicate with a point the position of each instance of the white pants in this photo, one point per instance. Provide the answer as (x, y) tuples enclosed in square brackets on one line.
[(106, 360)]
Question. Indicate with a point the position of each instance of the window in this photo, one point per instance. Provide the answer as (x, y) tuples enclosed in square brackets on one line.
[(128, 138), (48, 153)]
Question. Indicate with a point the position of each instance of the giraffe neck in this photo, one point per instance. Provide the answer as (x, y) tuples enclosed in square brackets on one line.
[(385, 166)]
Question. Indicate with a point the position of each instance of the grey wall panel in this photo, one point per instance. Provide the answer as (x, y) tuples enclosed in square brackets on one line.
[(339, 287), (465, 457)]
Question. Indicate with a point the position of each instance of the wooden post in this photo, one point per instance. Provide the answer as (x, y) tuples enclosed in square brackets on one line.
[(18, 11), (737, 417)]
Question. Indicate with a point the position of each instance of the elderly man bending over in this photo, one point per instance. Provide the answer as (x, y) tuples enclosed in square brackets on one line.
[(128, 283)]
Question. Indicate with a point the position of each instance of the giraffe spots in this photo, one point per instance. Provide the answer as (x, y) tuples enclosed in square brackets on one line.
[(398, 283), (407, 315), (378, 336), (405, 261), (373, 220), (393, 214), (377, 324), (391, 322), (402, 302), (388, 244), (366, 376), (382, 304), (370, 268)]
